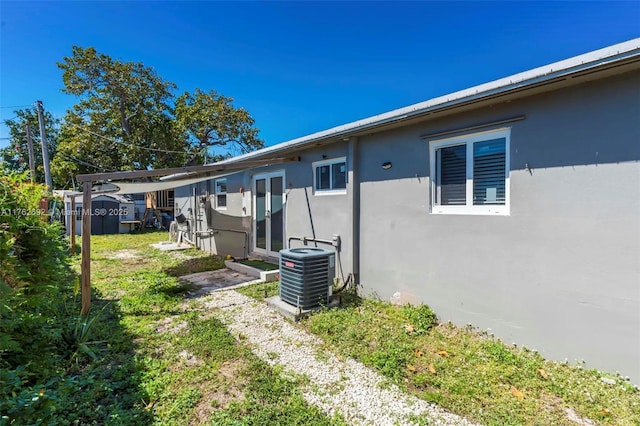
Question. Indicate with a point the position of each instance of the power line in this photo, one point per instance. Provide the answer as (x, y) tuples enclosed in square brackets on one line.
[(127, 144), (82, 162), (16, 106)]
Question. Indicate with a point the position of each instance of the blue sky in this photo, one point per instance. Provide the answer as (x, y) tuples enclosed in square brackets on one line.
[(301, 67)]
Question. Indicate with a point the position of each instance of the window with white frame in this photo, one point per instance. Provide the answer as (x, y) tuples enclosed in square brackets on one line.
[(221, 194), (330, 176), (470, 174)]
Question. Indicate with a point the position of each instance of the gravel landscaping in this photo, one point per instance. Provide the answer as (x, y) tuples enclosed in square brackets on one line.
[(336, 385)]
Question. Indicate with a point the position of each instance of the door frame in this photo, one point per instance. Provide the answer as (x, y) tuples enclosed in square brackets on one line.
[(254, 230)]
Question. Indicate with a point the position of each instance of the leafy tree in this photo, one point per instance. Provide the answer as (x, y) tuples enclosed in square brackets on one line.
[(127, 118), (211, 120), (15, 157), (123, 119)]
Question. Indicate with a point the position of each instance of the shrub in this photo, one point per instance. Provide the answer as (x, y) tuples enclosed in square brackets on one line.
[(33, 274)]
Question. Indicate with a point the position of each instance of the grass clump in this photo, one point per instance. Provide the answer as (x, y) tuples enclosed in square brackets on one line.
[(469, 372), (261, 291)]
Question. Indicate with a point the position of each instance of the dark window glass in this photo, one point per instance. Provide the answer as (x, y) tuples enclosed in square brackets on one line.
[(323, 177), (339, 175)]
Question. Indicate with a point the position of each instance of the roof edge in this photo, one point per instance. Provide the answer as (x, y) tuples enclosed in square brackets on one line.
[(522, 80)]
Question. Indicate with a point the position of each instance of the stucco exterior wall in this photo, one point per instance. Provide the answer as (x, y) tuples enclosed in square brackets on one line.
[(307, 213), (561, 273), (231, 229), (222, 231)]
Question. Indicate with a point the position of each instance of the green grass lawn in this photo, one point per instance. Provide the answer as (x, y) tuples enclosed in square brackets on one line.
[(467, 371), (187, 367), (149, 354), (146, 355)]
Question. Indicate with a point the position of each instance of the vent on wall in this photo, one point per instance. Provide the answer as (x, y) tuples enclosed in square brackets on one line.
[(306, 276)]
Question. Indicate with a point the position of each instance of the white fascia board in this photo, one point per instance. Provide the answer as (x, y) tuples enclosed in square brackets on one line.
[(174, 176), (565, 67)]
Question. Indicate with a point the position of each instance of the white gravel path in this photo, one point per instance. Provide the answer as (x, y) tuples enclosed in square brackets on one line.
[(346, 386)]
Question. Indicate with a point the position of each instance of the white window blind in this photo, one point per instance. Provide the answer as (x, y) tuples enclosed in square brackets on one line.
[(453, 175)]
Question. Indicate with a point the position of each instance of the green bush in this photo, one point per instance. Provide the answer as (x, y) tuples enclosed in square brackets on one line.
[(31, 249), (34, 279)]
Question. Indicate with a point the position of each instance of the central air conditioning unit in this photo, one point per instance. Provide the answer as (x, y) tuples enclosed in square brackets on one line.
[(306, 276)]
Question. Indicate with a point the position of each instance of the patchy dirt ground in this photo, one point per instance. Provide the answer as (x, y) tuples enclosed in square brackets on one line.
[(220, 395), (167, 325), (125, 254)]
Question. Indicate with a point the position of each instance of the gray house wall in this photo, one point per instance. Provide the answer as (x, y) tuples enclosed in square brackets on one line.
[(229, 231), (561, 273), (217, 231), (310, 215), (307, 214)]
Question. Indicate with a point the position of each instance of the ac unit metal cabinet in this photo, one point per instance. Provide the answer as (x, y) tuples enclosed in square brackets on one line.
[(306, 276)]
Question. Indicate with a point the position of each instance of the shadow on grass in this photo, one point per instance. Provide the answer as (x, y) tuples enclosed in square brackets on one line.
[(77, 249), (195, 265), (109, 387), (75, 370), (348, 299), (170, 290)]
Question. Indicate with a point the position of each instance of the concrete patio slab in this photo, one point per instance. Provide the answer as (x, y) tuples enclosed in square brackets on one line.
[(206, 282), (171, 246), (292, 312)]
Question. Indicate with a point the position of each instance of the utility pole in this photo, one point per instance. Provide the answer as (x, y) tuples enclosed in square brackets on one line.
[(45, 150), (32, 164)]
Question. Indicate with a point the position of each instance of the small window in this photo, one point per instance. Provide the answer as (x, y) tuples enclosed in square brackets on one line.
[(221, 194), (470, 174), (330, 176)]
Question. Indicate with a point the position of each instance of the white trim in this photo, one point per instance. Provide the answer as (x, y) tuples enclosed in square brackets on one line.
[(468, 140), (329, 162), (325, 192)]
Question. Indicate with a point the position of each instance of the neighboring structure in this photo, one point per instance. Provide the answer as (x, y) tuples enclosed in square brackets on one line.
[(513, 205), (110, 213), (158, 208), (149, 206)]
